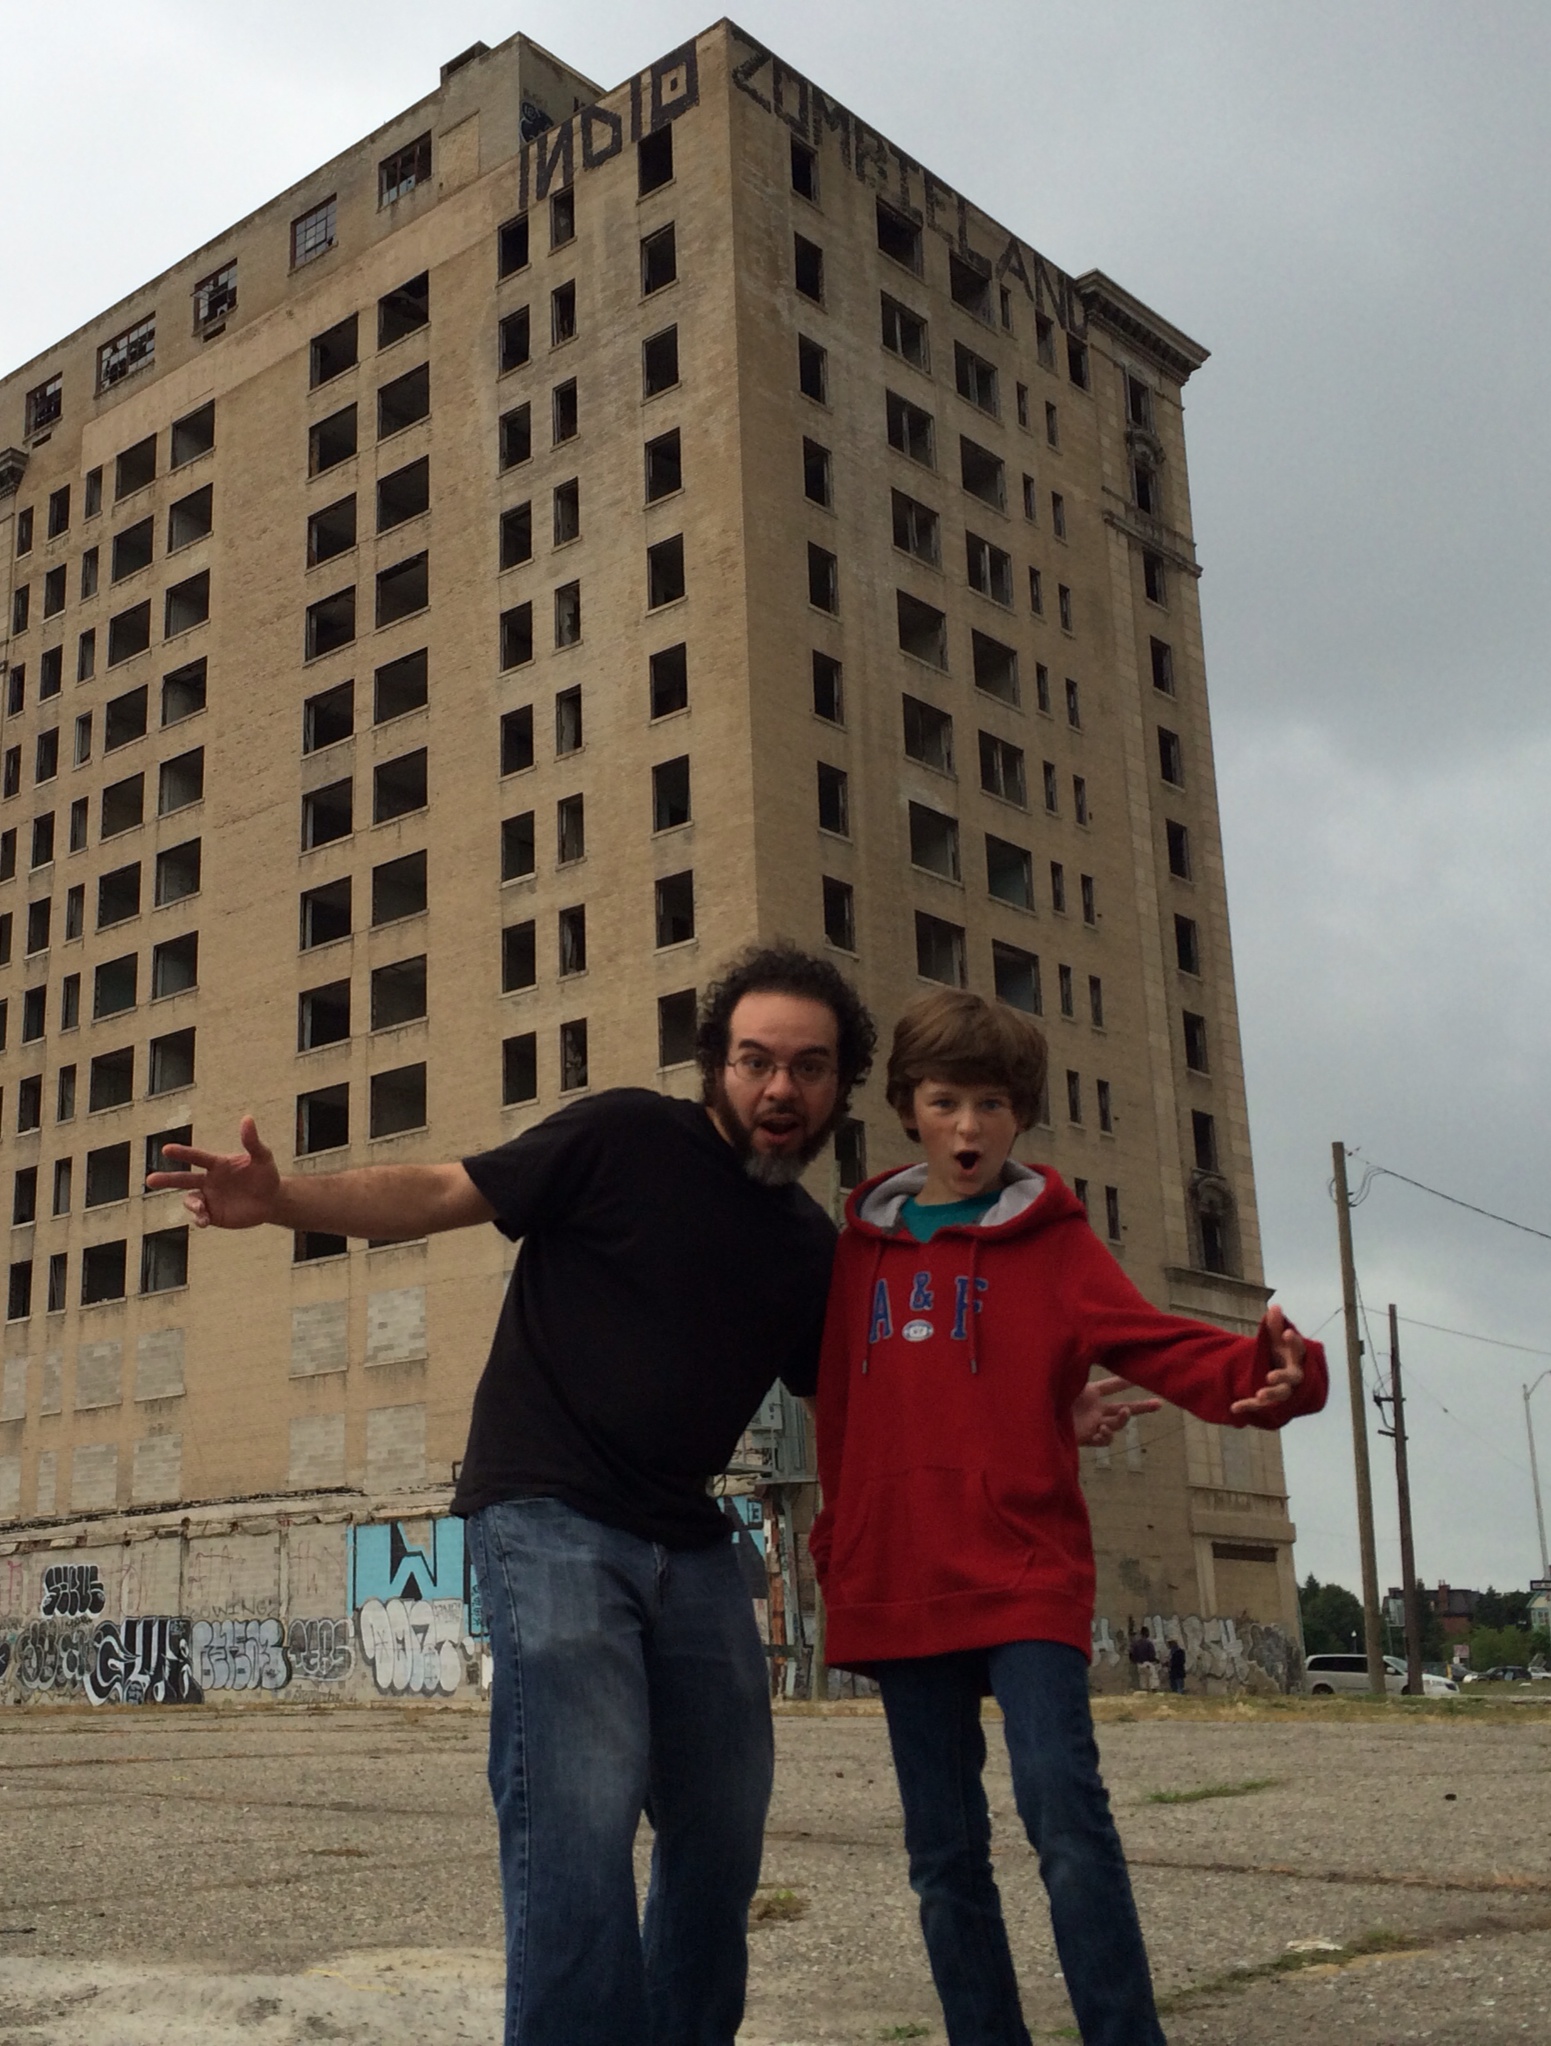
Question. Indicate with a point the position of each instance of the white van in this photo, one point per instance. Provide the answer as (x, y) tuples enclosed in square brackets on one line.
[(1324, 1675)]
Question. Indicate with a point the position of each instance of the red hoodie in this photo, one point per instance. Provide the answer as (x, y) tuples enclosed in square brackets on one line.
[(953, 1517)]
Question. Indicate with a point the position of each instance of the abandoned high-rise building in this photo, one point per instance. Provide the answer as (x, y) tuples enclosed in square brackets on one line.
[(573, 532)]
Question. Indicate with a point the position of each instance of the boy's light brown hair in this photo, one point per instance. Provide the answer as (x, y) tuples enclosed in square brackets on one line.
[(963, 1039)]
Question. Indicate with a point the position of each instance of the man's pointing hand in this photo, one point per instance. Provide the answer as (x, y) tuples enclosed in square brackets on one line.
[(227, 1190)]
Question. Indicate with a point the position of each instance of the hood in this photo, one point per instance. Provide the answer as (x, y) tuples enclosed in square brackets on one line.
[(1031, 1197)]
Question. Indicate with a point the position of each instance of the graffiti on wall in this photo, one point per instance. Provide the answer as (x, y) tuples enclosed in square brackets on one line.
[(416, 1602), (141, 1662), (414, 1647), (320, 1651), (668, 88), (1221, 1650), (240, 1655), (71, 1591)]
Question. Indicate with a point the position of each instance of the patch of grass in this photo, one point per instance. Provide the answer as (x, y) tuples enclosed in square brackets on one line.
[(772, 1906), (1207, 1790), (1379, 1940)]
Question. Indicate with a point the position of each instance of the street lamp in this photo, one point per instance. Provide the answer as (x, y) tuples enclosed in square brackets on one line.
[(1534, 1475)]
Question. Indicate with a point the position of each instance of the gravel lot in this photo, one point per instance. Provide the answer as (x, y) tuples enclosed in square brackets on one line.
[(276, 1876)]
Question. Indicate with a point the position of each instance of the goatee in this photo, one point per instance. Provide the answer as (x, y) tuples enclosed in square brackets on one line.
[(765, 1168)]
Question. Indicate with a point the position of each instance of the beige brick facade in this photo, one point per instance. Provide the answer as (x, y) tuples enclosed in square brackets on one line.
[(877, 585)]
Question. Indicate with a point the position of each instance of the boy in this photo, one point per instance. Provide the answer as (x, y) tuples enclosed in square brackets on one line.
[(969, 1301)]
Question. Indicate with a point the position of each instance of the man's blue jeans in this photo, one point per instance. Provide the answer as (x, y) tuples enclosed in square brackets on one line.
[(628, 1678), (933, 1708)]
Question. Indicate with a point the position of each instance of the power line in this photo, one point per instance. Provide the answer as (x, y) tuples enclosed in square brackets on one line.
[(1469, 1336), (1373, 1172)]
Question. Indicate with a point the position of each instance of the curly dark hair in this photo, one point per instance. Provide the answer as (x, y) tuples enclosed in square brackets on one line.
[(783, 969)]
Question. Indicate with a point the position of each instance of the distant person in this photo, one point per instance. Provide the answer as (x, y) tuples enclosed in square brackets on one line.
[(1144, 1660), (969, 1303), (1177, 1667), (671, 1270)]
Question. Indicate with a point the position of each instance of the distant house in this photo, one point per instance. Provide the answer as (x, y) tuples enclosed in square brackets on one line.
[(1456, 1609)]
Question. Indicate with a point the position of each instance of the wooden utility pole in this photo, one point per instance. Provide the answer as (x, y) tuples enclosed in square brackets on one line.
[(1408, 1583), (1374, 1640)]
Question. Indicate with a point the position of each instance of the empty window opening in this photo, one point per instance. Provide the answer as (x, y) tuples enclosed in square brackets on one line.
[(562, 218), (1058, 895), (660, 362), (1073, 1096), (190, 519), (398, 889), (570, 830), (517, 739), (923, 629), (1073, 704), (516, 539), (808, 268), (519, 1069), (1052, 426), (839, 913), (51, 673), (1145, 489), (917, 528), (86, 654), (565, 417), (328, 717), (910, 429), (180, 782), (1179, 849), (134, 468), (164, 1260), (1030, 499), (132, 350), (568, 614), (323, 1119), (934, 841), (24, 1196), (64, 1174), (398, 992), (1079, 799), (567, 511), (996, 667), (817, 473), (1001, 770), (659, 260), (403, 589), (327, 814), (562, 314), (664, 466), (1077, 369), (899, 237), (1171, 757), (1064, 607), (132, 550), (400, 686), (1009, 873), (54, 591), (905, 333), (828, 695), (193, 435), (1138, 402), (123, 805), (982, 473), (1203, 1133), (42, 840), (187, 604), (19, 1295), (928, 734), (1162, 666), (969, 287), (399, 786), (103, 1267), (1187, 945), (1052, 783), (573, 1055), (805, 177), (38, 919), (405, 494), (665, 572), (975, 378), (654, 160), (823, 579), (676, 1028), (568, 722), (519, 957), (511, 246), (989, 569), (1058, 514), (834, 800), (35, 1012), (78, 829), (668, 681), (1096, 1001), (402, 402), (313, 232), (670, 793), (1015, 977), (675, 898), (1154, 579), (812, 370), (20, 603), (171, 1060), (123, 721), (518, 847), (59, 511), (940, 951), (1195, 1042), (400, 173), (1112, 1213), (175, 966), (572, 936), (331, 353), (1088, 893), (325, 914), (398, 1101), (177, 873), (29, 1102), (514, 341), (331, 441)]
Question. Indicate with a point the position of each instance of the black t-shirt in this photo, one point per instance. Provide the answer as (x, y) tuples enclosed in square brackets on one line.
[(659, 1294)]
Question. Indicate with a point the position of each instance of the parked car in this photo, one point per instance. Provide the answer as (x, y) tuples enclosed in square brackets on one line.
[(1324, 1675), (1504, 1673)]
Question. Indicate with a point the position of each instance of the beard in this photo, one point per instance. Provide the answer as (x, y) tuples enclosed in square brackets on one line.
[(763, 1167)]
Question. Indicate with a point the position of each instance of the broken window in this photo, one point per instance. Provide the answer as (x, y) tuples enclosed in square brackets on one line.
[(519, 1068), (331, 353), (330, 624), (562, 314), (1179, 849), (568, 614), (177, 874), (399, 888), (164, 1259), (573, 1055), (670, 793), (923, 630), (405, 400), (400, 173), (1162, 666), (568, 722), (134, 468), (331, 531), (562, 218), (916, 528), (187, 604), (664, 466), (572, 931), (327, 814), (567, 511), (113, 986), (1195, 1041), (1154, 579), (1187, 945), (1077, 364), (123, 805), (403, 589), (990, 568), (397, 1101), (976, 378), (404, 494), (839, 912), (119, 358), (59, 511), (934, 841), (398, 993), (517, 740), (519, 957), (660, 362), (132, 549), (399, 786), (1144, 485), (190, 519), (331, 441), (42, 840), (996, 667), (38, 919), (35, 1012), (193, 435), (659, 260), (928, 734), (969, 287), (18, 1303), (516, 544), (823, 579), (676, 1028), (570, 829), (514, 341), (1015, 975), (665, 572), (654, 160), (183, 692), (517, 636), (124, 720), (400, 686), (313, 232), (899, 237), (102, 1272), (812, 370), (982, 473), (44, 404), (805, 182), (940, 950), (675, 901), (828, 697), (323, 1119), (511, 246), (518, 847), (564, 414), (668, 680), (112, 1079), (905, 333), (215, 296), (817, 474), (516, 436), (1171, 758), (1009, 872), (910, 429), (834, 800), (175, 965), (1001, 770), (325, 914)]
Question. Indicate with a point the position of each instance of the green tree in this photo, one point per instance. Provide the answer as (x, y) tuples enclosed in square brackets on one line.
[(1496, 1609), (1332, 1618)]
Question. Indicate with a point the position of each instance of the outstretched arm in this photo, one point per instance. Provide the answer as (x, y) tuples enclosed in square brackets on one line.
[(1098, 1417), (1288, 1350), (241, 1189)]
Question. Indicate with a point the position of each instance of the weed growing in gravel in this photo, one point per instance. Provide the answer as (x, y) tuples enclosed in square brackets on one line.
[(1244, 1789), (1305, 1954), (776, 1907)]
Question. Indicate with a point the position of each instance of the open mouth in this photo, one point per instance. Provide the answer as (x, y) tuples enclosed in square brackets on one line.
[(780, 1127), (966, 1161)]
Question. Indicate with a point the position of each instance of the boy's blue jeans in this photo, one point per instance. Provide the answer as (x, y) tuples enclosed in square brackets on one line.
[(628, 1678), (933, 1708)]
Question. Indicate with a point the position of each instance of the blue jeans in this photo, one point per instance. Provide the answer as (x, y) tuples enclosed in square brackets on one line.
[(628, 1678), (933, 1708)]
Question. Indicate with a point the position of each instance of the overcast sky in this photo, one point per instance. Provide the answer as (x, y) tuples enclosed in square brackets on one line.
[(1348, 204)]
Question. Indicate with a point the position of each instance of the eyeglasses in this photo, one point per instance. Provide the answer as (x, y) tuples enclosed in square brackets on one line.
[(808, 1069)]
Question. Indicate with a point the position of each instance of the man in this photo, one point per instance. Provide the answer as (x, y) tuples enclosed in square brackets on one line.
[(1144, 1659), (672, 1269)]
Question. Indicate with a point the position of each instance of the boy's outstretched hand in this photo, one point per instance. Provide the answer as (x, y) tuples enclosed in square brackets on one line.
[(231, 1190), (1097, 1417), (1286, 1374)]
